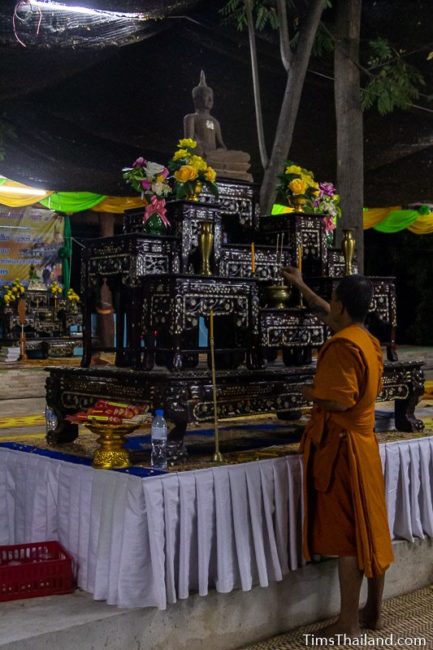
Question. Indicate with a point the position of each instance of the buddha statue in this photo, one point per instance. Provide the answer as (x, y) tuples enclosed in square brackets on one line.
[(206, 130)]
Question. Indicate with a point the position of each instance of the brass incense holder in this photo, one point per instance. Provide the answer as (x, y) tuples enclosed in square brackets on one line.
[(111, 439), (277, 296)]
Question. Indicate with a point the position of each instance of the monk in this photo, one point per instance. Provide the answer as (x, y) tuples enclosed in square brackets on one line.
[(345, 510)]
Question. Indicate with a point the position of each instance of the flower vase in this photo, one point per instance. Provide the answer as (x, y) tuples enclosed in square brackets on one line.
[(205, 245), (154, 225), (296, 202), (348, 248)]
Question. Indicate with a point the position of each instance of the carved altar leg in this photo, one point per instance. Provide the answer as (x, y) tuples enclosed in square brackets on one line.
[(64, 432), (121, 357), (87, 330), (149, 351), (176, 361), (134, 323), (391, 349), (404, 411), (177, 433), (255, 358)]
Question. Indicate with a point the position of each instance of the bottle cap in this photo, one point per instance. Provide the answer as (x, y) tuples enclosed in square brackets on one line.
[(159, 412)]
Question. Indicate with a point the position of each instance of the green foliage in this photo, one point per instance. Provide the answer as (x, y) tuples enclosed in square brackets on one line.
[(265, 14), (394, 83)]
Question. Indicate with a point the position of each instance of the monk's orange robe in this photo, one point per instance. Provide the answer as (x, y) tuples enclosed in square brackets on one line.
[(345, 510)]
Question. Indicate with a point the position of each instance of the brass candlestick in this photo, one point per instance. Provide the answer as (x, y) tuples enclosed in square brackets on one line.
[(205, 245), (217, 457), (348, 247)]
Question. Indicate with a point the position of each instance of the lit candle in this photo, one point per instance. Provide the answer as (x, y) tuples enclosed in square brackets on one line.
[(211, 324), (281, 250), (253, 258), (278, 246), (300, 252)]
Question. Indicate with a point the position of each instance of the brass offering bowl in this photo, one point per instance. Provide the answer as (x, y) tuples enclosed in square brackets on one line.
[(111, 439), (277, 296)]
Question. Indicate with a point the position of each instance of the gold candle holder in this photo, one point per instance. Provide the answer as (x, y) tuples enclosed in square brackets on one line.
[(205, 245), (217, 457), (111, 453)]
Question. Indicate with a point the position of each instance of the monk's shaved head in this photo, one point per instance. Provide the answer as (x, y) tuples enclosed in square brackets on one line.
[(355, 293)]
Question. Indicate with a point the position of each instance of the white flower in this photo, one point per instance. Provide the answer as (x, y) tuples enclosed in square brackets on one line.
[(160, 189), (154, 169)]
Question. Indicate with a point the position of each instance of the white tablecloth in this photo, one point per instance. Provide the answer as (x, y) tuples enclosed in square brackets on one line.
[(148, 542)]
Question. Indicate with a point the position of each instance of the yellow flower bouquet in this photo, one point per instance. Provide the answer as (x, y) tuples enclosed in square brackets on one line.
[(72, 297), (298, 187), (191, 172), (56, 290), (11, 293)]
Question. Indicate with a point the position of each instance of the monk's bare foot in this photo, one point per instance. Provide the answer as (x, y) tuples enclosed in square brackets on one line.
[(339, 631), (370, 620)]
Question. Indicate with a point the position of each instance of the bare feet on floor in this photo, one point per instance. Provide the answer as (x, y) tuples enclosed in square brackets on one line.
[(370, 620), (339, 629)]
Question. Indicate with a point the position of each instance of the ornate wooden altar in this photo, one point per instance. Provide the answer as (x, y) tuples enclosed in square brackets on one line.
[(162, 300)]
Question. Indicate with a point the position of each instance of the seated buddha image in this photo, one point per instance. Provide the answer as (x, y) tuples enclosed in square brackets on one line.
[(206, 130)]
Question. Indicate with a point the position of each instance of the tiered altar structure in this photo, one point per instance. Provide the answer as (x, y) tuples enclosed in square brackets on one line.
[(165, 287)]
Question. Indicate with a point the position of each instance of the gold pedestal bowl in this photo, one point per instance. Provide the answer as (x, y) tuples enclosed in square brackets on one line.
[(111, 439), (277, 296)]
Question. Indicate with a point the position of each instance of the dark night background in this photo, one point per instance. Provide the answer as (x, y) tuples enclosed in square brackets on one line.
[(76, 116)]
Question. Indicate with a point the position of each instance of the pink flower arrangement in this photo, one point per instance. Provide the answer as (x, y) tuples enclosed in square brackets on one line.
[(151, 180), (327, 203)]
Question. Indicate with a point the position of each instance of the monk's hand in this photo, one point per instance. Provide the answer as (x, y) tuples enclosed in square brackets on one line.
[(292, 275)]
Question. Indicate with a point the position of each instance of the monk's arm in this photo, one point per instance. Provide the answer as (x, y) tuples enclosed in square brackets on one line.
[(317, 305), (325, 404)]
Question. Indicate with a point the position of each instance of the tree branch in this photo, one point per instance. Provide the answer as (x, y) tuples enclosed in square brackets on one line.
[(256, 85), (290, 104), (285, 51)]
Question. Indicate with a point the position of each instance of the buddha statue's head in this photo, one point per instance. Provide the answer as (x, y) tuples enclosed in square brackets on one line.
[(202, 95)]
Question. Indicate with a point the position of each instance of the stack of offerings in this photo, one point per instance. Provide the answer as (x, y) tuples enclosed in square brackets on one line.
[(111, 413), (9, 354)]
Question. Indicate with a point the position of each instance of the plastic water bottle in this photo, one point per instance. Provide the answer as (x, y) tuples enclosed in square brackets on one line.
[(158, 432), (50, 419)]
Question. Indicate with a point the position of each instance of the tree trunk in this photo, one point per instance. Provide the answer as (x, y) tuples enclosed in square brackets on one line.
[(290, 104), (350, 146)]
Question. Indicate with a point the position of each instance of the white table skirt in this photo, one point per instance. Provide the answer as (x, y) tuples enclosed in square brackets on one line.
[(148, 542)]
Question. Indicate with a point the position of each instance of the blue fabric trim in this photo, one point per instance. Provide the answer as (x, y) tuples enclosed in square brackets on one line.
[(142, 472)]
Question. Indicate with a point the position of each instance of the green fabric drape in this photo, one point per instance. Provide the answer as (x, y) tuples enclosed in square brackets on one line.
[(397, 220), (65, 254), (72, 201)]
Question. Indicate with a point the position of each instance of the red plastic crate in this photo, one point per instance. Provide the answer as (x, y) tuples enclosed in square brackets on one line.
[(30, 570)]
